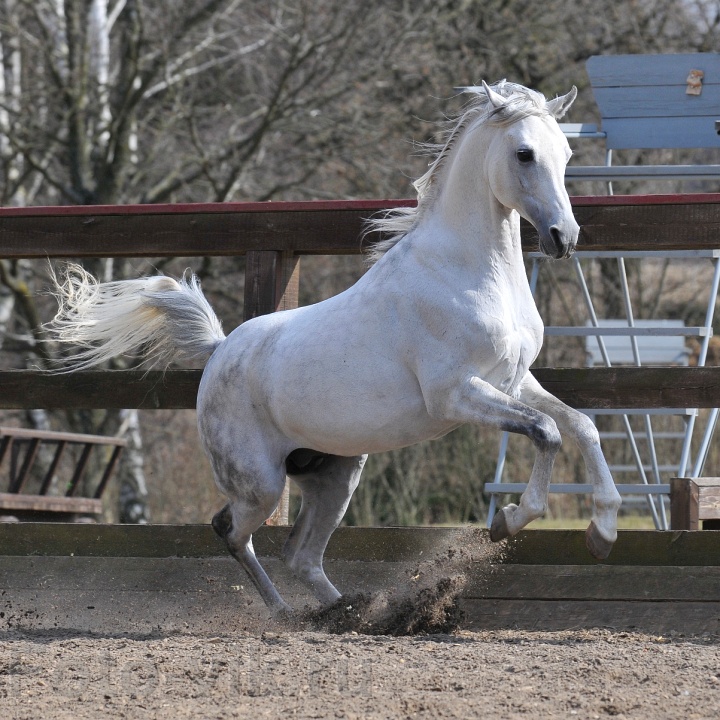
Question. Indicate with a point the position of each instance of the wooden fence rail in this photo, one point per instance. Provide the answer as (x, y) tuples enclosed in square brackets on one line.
[(599, 388), (273, 236)]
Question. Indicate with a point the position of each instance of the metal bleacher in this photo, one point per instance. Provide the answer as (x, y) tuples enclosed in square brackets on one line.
[(661, 101)]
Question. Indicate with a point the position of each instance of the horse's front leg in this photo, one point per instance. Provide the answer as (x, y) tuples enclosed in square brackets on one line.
[(476, 401), (602, 532)]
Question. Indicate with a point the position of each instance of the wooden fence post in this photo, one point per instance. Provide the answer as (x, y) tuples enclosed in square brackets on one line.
[(683, 505), (272, 281)]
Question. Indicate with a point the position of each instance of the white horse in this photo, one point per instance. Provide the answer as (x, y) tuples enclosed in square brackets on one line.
[(439, 332)]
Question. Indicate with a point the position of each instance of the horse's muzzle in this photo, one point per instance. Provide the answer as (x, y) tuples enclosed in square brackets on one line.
[(559, 242)]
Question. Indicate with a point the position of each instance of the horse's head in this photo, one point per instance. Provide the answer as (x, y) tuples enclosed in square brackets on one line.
[(526, 161)]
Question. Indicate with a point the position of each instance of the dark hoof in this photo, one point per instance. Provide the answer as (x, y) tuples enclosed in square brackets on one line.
[(598, 546), (499, 529)]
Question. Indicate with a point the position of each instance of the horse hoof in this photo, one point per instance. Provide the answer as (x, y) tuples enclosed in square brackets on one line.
[(285, 613), (499, 529), (598, 546)]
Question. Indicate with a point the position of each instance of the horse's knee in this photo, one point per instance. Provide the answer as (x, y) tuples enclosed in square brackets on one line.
[(584, 429), (223, 526), (545, 434)]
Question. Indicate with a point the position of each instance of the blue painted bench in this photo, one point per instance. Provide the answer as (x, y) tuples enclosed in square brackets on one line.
[(652, 102)]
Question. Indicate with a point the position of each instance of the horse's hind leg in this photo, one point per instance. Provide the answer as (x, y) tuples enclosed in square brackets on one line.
[(326, 492), (235, 523)]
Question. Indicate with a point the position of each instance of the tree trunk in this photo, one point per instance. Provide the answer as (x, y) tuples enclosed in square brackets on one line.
[(131, 475)]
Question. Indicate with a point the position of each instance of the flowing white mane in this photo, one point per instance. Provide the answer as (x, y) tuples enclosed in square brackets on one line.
[(521, 103)]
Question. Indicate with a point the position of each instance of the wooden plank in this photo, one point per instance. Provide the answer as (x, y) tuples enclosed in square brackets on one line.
[(18, 480), (666, 226), (708, 498), (633, 387), (209, 208), (642, 172), (531, 547), (136, 614), (167, 575), (707, 482), (594, 582), (50, 474), (109, 468), (79, 470), (639, 547), (608, 223), (554, 615), (672, 132), (259, 284), (154, 595), (66, 437), (287, 297), (683, 507), (62, 539), (599, 388), (184, 235), (658, 200), (5, 444), (221, 574), (158, 390), (659, 103), (271, 283), (212, 596), (660, 69), (48, 503), (287, 282)]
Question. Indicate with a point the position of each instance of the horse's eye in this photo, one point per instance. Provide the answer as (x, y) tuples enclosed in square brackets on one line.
[(525, 155)]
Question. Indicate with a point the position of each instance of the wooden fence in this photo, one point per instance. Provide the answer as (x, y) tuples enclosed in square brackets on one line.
[(274, 236), (180, 578)]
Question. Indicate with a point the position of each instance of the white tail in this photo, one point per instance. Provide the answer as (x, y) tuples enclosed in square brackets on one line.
[(164, 318)]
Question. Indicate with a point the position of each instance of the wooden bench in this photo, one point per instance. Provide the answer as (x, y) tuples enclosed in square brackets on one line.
[(694, 501), (22, 447), (652, 102)]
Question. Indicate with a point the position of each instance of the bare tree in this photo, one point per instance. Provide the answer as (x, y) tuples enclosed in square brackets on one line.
[(141, 101), (117, 101)]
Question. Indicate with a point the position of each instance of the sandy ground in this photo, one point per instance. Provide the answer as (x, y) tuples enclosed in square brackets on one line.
[(273, 672)]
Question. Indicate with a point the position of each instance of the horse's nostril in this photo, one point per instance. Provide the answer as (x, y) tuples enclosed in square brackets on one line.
[(556, 236)]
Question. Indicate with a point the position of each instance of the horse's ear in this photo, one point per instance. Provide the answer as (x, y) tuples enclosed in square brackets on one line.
[(560, 105), (496, 100)]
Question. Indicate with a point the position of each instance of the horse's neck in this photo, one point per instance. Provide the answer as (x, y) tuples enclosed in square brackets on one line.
[(473, 232), (470, 227)]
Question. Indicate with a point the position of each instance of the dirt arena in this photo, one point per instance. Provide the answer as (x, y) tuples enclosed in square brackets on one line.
[(143, 646), (271, 672)]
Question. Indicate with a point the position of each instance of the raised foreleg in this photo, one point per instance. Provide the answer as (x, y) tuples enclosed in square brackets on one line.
[(602, 531), (476, 401)]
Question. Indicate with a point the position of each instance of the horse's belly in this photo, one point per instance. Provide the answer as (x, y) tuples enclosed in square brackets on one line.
[(359, 415), (352, 440), (341, 398)]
